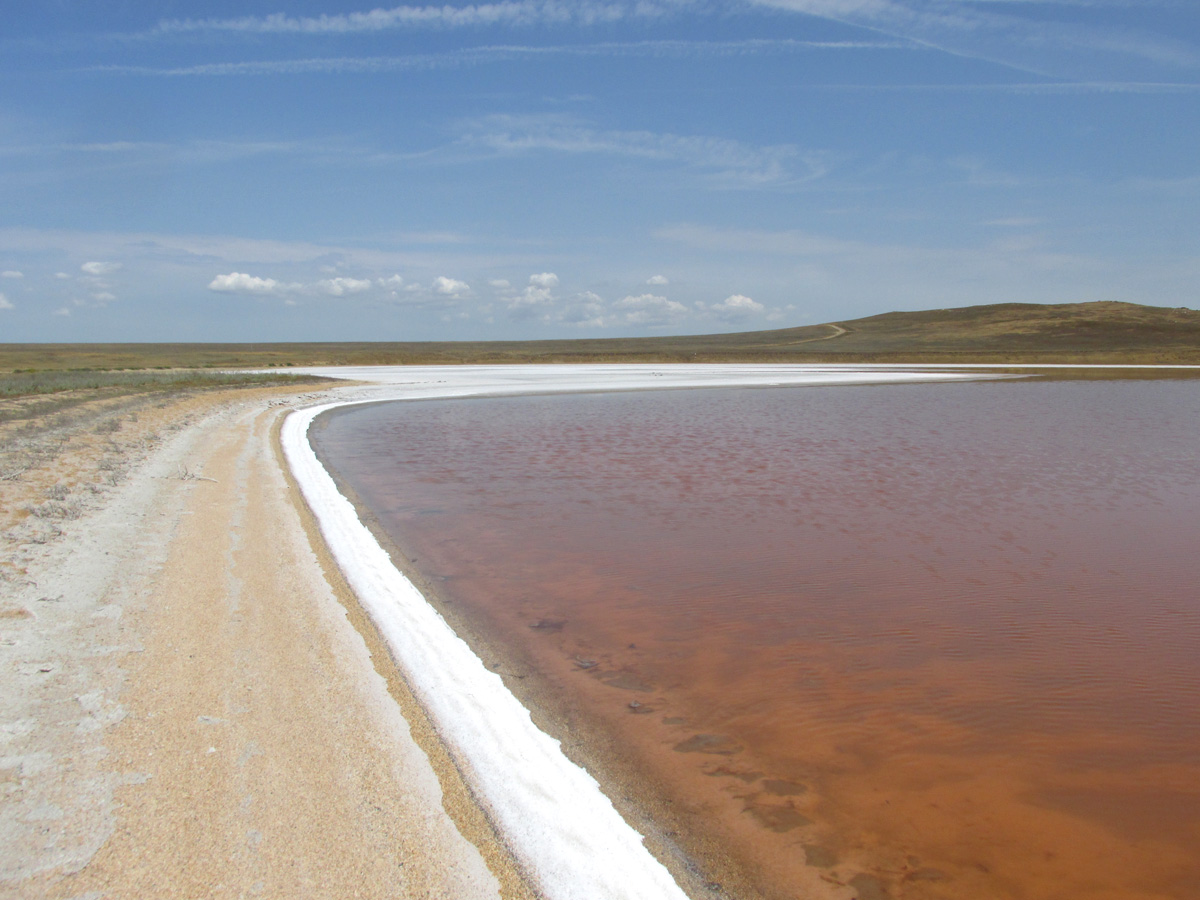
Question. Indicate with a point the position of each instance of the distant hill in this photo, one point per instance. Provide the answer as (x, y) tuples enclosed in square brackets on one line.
[(1036, 332), (1104, 332)]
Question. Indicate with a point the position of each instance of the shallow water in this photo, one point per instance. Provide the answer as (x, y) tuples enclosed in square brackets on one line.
[(934, 640)]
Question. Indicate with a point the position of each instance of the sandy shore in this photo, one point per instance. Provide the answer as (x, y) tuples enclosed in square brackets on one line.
[(188, 709)]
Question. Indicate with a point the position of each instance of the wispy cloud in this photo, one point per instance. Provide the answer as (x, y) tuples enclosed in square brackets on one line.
[(201, 151), (384, 254), (5, 303), (1032, 88), (37, 164), (998, 31), (99, 268), (66, 163), (722, 160), (648, 309), (499, 53), (506, 12), (1002, 34)]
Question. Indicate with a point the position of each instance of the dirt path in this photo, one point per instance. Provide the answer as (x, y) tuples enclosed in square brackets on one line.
[(188, 710), (838, 331)]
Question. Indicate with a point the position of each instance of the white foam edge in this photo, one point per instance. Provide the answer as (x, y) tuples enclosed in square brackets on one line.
[(564, 832)]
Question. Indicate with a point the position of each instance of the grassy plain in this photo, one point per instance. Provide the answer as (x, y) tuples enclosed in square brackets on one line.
[(1095, 333)]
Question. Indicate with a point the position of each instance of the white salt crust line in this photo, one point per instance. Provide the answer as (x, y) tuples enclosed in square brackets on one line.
[(560, 826)]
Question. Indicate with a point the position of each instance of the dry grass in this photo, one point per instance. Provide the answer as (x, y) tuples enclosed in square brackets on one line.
[(45, 380), (61, 453), (1011, 332)]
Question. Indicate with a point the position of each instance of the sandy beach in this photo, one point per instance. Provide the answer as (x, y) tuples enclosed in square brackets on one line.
[(196, 704), (188, 708)]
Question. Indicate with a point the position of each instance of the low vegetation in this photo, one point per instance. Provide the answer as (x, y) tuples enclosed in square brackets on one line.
[(1011, 332), (44, 380), (67, 439)]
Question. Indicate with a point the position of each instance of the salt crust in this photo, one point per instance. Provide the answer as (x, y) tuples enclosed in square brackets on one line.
[(560, 826)]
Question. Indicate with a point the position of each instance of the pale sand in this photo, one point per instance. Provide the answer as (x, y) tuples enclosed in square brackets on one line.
[(193, 706)]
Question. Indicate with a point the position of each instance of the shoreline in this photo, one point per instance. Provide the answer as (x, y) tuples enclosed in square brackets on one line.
[(702, 865), (338, 515), (563, 830), (702, 869), (457, 800)]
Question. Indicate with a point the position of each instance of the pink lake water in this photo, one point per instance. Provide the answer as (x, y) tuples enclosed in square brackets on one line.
[(910, 641)]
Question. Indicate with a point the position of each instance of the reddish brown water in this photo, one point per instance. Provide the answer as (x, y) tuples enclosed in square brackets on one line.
[(929, 641)]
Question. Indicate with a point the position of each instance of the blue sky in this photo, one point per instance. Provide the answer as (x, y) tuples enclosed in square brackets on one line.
[(258, 171)]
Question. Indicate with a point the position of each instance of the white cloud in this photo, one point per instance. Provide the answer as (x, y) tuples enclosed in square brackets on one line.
[(649, 309), (586, 311), (589, 310), (657, 280), (394, 282), (241, 283), (736, 306), (339, 287), (5, 303), (62, 311), (500, 284), (12, 273), (61, 276), (99, 268), (450, 287), (538, 293), (104, 297)]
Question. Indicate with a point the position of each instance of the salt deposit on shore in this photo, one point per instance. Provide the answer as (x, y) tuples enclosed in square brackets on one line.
[(433, 382)]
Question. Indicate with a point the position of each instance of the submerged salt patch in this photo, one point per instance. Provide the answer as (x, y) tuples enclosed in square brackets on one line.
[(558, 823)]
